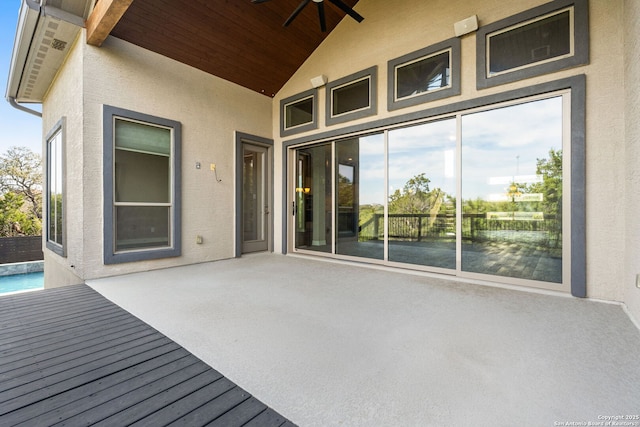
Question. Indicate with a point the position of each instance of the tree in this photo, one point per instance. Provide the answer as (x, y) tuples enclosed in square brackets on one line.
[(20, 192), (21, 173), (14, 221)]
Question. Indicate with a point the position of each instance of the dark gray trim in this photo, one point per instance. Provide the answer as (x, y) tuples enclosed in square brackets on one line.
[(108, 113), (54, 247), (302, 128), (581, 44), (578, 188), (577, 85), (454, 45), (256, 140), (372, 110)]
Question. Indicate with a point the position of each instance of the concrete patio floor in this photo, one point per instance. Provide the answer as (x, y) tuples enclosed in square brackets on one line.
[(330, 344)]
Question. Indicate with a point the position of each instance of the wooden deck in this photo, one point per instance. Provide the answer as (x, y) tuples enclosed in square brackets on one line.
[(70, 357)]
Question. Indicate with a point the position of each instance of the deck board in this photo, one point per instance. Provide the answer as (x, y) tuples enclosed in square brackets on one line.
[(69, 356)]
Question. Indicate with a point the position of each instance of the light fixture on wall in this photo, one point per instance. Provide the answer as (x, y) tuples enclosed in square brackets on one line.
[(466, 26), (319, 81)]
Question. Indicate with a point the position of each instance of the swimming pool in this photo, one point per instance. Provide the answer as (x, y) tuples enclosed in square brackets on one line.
[(21, 282)]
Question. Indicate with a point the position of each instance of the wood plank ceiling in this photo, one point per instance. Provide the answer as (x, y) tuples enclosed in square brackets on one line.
[(236, 40)]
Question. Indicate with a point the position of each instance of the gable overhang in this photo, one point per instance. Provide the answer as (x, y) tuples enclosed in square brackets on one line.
[(44, 34)]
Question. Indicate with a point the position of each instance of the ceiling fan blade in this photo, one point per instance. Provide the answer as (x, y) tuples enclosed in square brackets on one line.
[(346, 9), (323, 21), (259, 1), (296, 12)]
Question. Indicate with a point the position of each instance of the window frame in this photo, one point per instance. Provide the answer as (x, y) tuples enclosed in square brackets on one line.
[(576, 84), (371, 74), (58, 129), (313, 124), (454, 88), (579, 34), (111, 256)]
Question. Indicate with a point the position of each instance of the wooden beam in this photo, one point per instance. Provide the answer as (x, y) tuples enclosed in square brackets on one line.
[(104, 18)]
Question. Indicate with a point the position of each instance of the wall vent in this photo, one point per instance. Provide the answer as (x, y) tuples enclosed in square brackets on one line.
[(58, 44)]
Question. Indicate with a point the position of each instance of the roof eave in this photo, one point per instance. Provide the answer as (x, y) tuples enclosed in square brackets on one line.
[(44, 36), (28, 18)]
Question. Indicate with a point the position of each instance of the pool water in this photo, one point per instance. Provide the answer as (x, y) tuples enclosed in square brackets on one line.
[(21, 282)]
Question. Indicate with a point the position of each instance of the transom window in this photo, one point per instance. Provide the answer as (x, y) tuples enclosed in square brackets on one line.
[(425, 75), (352, 97), (299, 113), (542, 40), (142, 212)]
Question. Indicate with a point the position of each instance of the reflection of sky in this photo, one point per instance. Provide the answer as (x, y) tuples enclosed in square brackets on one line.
[(507, 142), (372, 170), (423, 149), (496, 146)]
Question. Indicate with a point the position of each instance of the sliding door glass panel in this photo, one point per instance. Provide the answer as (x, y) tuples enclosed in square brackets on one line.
[(360, 197), (313, 198), (512, 191), (422, 191)]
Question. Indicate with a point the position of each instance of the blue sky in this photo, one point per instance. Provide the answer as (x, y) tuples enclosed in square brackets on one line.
[(18, 128)]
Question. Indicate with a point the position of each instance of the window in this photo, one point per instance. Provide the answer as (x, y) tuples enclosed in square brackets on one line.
[(352, 97), (490, 188), (299, 113), (55, 190), (425, 75), (549, 38), (142, 197)]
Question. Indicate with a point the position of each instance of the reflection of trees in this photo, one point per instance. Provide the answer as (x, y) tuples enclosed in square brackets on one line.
[(476, 221), (417, 210), (551, 188)]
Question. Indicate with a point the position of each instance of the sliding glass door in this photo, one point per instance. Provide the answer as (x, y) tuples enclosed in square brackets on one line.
[(313, 204), (477, 193), (512, 191), (360, 197), (422, 194)]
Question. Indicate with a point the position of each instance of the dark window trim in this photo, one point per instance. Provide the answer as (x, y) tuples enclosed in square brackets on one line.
[(577, 85), (580, 36), (453, 45), (372, 109), (60, 126), (284, 131), (175, 250), (256, 140)]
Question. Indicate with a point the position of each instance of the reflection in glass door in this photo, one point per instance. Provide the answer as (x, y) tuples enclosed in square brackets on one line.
[(313, 203), (422, 190), (480, 192), (255, 203), (360, 198), (512, 183)]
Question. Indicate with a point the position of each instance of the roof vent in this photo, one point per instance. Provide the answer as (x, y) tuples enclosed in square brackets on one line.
[(58, 44)]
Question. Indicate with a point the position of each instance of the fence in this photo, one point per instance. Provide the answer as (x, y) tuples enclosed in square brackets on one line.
[(476, 227), (20, 249)]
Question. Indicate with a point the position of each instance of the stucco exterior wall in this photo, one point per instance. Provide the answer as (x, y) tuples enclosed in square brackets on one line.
[(389, 31), (210, 111), (64, 99), (632, 155)]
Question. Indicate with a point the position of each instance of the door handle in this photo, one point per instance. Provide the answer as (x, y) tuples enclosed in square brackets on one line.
[(293, 210), (266, 210)]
